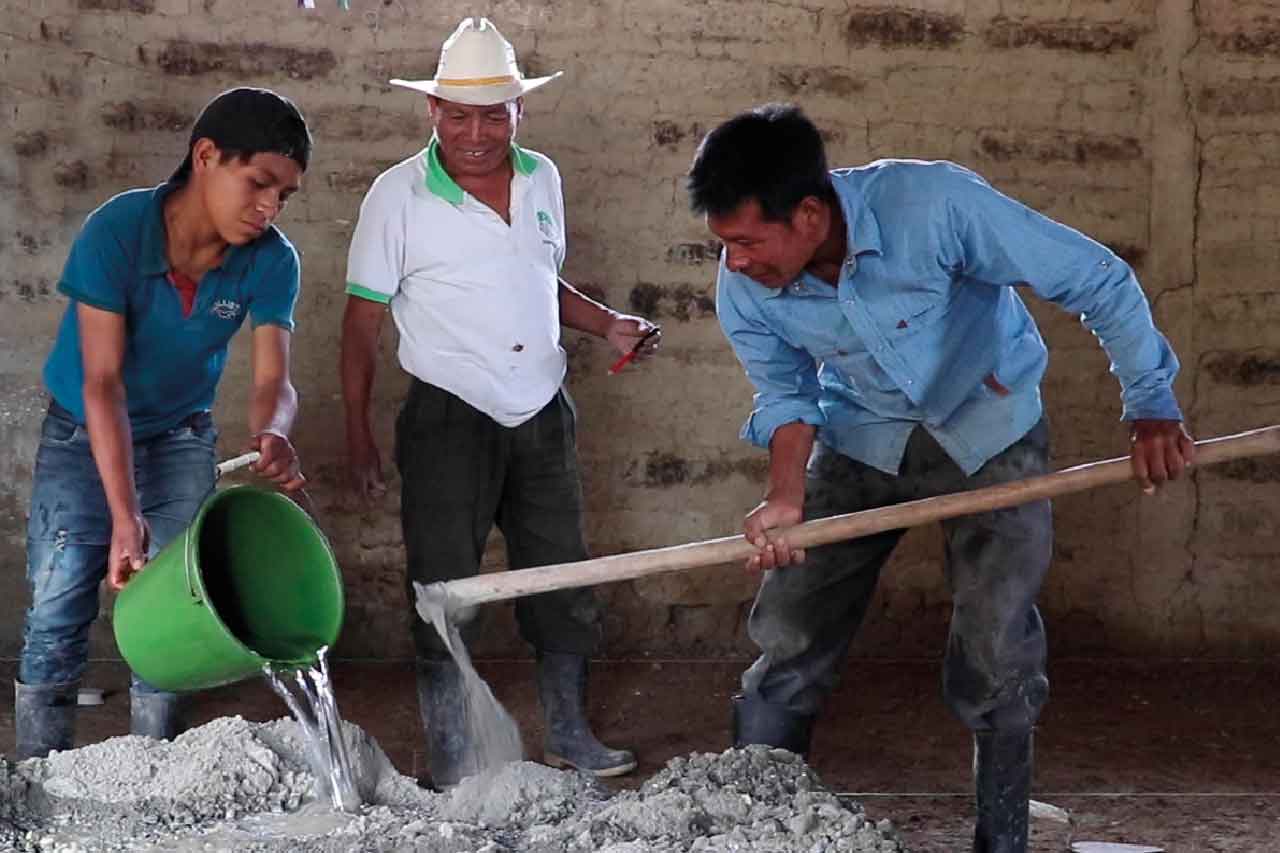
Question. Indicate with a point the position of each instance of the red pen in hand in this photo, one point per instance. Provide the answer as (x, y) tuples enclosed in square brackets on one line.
[(635, 350)]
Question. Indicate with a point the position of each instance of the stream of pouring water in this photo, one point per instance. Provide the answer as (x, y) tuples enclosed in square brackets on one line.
[(321, 725), (493, 738)]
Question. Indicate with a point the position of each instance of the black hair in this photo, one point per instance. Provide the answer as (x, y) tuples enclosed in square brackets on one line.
[(772, 154), (246, 121)]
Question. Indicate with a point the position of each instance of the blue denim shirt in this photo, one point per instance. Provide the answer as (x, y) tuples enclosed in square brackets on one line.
[(926, 325)]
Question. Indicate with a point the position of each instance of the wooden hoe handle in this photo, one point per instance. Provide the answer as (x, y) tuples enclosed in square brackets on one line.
[(498, 586)]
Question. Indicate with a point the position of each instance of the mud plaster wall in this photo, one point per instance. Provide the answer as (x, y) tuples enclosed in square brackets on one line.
[(1152, 124)]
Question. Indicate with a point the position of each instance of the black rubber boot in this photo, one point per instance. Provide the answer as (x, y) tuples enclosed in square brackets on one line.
[(155, 715), (44, 718), (758, 721), (1002, 766), (562, 687), (442, 703)]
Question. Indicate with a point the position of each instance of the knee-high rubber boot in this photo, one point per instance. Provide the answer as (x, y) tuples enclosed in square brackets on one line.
[(758, 721), (155, 715), (1002, 767), (44, 718), (562, 687), (442, 703)]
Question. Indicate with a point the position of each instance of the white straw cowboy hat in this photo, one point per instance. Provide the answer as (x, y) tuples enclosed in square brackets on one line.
[(477, 66)]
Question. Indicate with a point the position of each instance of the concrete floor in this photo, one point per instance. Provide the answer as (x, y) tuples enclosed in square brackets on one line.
[(1185, 756)]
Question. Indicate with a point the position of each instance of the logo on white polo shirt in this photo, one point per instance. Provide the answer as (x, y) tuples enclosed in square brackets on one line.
[(547, 226), (225, 309)]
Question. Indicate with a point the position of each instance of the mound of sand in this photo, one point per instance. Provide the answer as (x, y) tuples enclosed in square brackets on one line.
[(239, 786)]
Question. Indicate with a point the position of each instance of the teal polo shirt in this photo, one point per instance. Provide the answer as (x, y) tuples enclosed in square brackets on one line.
[(172, 362)]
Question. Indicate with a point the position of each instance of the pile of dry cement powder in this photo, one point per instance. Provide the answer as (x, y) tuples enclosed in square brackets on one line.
[(235, 785)]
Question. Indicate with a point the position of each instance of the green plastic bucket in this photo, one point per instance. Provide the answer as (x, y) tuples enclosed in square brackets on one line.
[(251, 581)]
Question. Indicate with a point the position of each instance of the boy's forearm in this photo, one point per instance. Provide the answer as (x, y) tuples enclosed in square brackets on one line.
[(111, 440), (273, 407)]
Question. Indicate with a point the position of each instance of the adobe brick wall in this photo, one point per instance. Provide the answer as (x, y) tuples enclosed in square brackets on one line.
[(1151, 124)]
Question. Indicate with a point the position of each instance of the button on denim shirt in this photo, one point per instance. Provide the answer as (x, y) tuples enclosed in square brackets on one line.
[(926, 325)]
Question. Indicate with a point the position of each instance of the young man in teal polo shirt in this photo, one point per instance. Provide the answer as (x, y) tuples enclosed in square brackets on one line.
[(159, 281)]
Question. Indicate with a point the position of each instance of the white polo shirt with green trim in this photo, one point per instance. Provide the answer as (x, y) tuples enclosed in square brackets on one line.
[(476, 301)]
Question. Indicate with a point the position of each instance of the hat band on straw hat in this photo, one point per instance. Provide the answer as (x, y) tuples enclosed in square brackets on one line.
[(475, 81)]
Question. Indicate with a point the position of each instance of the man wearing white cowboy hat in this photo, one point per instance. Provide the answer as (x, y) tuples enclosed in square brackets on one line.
[(464, 242)]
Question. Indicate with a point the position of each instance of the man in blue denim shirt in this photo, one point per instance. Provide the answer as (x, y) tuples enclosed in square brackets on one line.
[(159, 279), (876, 312)]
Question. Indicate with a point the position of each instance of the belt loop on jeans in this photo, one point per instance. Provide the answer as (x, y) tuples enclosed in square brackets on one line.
[(196, 419), (57, 410)]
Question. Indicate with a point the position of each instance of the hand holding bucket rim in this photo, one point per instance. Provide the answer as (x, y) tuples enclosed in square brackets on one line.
[(219, 470), (251, 580), (118, 579), (246, 459)]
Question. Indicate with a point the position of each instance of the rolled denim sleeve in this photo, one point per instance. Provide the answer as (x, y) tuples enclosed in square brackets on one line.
[(994, 239), (785, 377)]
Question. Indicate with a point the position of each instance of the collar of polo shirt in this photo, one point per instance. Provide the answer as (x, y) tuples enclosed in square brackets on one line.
[(439, 182)]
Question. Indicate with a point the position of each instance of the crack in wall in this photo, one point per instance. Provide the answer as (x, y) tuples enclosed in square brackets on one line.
[(1192, 119)]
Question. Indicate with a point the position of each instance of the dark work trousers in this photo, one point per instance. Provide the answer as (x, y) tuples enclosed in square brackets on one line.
[(462, 472), (805, 615)]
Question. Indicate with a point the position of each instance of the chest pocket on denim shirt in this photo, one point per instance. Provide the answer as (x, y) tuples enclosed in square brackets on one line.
[(915, 310)]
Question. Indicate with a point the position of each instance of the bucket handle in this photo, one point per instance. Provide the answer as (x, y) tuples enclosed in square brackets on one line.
[(236, 463)]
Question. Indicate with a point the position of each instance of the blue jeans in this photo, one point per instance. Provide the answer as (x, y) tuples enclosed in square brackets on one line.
[(69, 531)]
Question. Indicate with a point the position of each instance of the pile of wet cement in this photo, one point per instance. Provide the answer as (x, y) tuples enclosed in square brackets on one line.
[(235, 785)]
